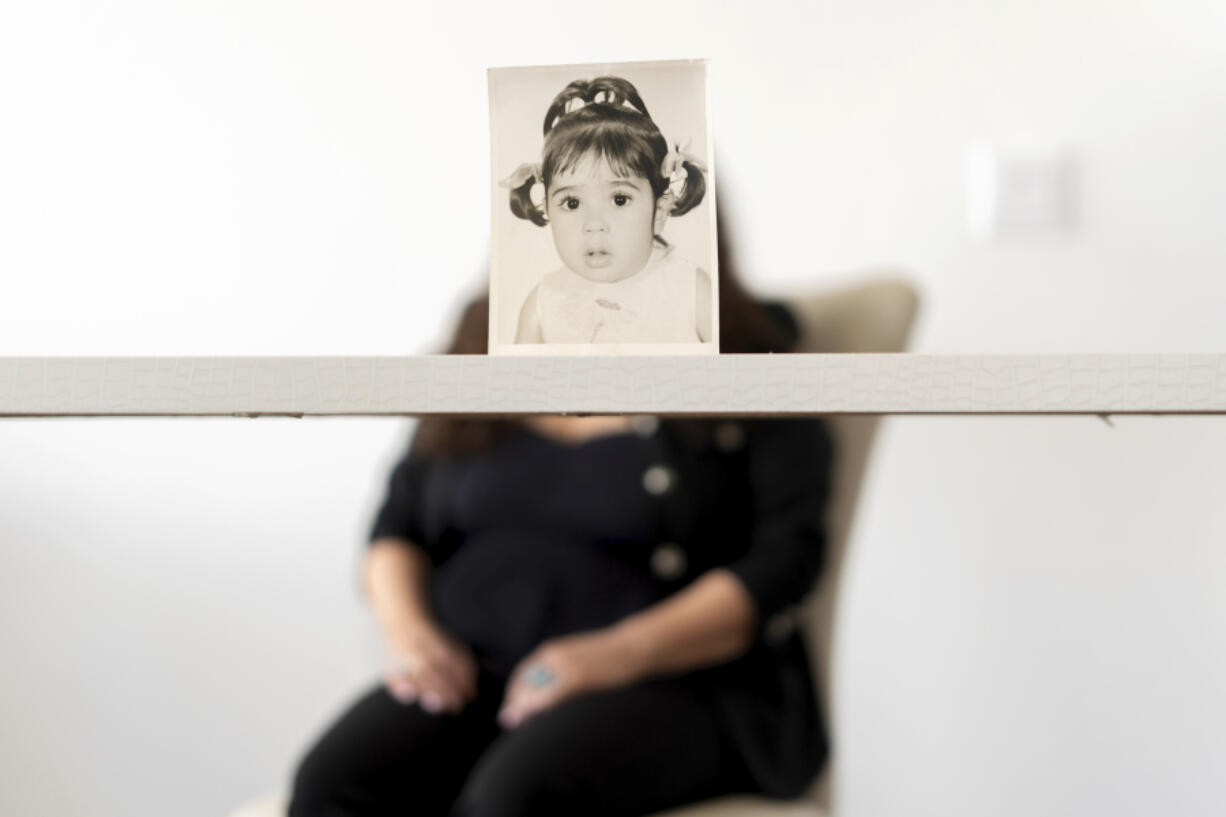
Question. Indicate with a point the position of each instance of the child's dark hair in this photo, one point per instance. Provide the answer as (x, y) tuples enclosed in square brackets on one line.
[(612, 124)]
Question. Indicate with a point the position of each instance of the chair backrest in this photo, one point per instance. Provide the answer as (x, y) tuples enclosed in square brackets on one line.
[(871, 317)]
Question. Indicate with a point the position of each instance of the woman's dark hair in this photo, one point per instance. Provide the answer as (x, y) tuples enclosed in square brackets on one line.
[(613, 125), (457, 436), (746, 326)]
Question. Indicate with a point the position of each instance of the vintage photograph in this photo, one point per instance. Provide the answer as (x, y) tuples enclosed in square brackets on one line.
[(603, 212)]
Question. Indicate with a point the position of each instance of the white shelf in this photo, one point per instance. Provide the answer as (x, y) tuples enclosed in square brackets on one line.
[(727, 384)]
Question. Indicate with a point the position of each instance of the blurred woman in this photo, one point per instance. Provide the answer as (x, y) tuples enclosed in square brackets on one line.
[(588, 615)]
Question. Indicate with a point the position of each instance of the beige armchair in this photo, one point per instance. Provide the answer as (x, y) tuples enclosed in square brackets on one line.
[(870, 317)]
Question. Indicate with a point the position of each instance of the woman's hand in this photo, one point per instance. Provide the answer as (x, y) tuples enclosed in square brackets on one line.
[(429, 666), (710, 622), (564, 667)]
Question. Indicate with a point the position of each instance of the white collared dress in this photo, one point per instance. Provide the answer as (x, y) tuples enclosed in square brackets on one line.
[(658, 305)]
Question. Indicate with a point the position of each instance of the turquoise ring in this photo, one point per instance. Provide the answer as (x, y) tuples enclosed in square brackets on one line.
[(539, 675)]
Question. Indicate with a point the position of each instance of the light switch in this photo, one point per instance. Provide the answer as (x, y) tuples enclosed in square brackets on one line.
[(1019, 192)]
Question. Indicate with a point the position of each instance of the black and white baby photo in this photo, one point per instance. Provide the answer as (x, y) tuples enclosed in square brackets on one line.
[(603, 233)]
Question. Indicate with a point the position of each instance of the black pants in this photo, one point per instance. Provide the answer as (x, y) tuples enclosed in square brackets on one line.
[(632, 751)]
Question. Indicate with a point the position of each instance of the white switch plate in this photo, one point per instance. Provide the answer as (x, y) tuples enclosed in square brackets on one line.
[(1019, 192)]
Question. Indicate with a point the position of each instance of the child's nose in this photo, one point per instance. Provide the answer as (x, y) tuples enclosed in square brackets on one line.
[(595, 223)]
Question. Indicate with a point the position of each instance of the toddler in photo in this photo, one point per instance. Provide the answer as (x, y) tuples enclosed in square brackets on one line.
[(606, 186)]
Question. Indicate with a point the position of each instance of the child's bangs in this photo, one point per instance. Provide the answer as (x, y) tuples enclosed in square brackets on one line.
[(628, 154)]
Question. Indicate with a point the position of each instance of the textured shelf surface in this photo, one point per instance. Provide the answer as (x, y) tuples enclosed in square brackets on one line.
[(726, 384)]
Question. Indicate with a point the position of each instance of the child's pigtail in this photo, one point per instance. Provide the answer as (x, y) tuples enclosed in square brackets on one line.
[(686, 179), (521, 183), (694, 188)]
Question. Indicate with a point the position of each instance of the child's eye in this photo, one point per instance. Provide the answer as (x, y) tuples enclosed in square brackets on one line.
[(621, 199), (570, 203)]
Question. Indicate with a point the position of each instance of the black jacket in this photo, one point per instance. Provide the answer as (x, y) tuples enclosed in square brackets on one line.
[(748, 496)]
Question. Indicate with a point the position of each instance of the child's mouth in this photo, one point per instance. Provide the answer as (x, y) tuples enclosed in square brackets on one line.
[(598, 258)]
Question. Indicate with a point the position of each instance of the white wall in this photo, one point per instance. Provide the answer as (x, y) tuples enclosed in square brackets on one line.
[(1035, 620)]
